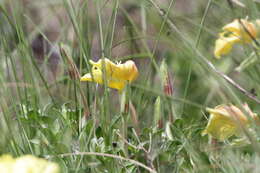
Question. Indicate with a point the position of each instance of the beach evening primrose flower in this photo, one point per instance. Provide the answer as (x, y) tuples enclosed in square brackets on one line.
[(27, 164), (227, 120), (116, 75), (238, 31)]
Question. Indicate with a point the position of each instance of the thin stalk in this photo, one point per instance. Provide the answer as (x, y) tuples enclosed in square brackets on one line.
[(196, 45), (107, 155)]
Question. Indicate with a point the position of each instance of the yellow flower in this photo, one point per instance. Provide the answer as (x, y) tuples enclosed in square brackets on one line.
[(6, 164), (116, 75), (27, 164), (227, 120), (234, 32), (223, 45)]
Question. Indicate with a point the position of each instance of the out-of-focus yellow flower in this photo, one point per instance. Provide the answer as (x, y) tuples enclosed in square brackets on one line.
[(116, 75), (223, 45), (27, 164), (6, 164), (234, 32), (227, 120)]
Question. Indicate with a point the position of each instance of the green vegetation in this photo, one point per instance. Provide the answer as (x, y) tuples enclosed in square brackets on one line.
[(155, 123)]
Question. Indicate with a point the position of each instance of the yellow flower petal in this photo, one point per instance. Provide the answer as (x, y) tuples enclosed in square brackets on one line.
[(127, 71), (224, 45), (27, 164), (86, 77), (116, 75), (234, 32), (31, 164), (233, 27), (6, 163), (226, 121), (119, 85), (242, 31)]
